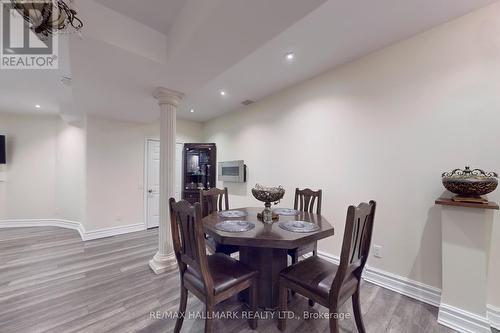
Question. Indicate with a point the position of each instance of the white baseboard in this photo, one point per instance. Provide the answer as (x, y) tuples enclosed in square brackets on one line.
[(74, 225), (114, 231), (25, 223), (458, 319), (462, 321), (407, 287), (416, 290), (494, 316), (329, 257)]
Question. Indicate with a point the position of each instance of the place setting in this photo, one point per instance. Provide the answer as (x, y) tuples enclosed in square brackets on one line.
[(299, 226), (232, 213), (235, 226), (286, 212)]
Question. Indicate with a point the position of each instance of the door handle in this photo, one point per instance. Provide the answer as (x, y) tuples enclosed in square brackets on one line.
[(150, 191)]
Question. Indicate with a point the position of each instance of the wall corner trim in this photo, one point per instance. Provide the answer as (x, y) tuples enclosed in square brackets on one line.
[(73, 225)]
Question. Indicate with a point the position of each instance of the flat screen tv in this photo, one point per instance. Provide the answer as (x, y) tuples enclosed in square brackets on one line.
[(3, 154)]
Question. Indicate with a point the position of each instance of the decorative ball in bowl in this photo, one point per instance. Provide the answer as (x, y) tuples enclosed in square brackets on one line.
[(268, 194), (470, 183)]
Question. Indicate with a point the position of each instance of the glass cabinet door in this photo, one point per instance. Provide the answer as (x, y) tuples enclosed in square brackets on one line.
[(198, 169)]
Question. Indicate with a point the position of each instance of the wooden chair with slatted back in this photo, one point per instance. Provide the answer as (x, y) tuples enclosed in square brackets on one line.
[(215, 200), (306, 200), (328, 284), (212, 279)]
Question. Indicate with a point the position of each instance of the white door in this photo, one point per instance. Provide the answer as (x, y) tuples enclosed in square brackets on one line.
[(153, 183), (153, 180)]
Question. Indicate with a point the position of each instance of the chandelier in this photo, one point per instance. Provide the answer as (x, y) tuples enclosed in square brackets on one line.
[(46, 17)]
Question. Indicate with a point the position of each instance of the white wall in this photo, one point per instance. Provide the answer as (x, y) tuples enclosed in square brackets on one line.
[(382, 128), (115, 169), (188, 131), (70, 171), (28, 187), (91, 174)]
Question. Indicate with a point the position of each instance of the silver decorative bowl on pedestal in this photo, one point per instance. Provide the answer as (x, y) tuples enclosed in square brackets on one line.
[(268, 195), (469, 184)]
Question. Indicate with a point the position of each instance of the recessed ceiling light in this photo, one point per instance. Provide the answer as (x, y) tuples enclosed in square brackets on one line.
[(290, 56), (37, 106), (192, 110), (223, 93)]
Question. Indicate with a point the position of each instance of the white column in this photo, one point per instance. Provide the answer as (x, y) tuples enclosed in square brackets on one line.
[(168, 100), (466, 236)]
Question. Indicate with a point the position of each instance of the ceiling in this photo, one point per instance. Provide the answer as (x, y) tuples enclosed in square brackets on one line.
[(117, 83), (157, 14), (235, 45), (337, 32)]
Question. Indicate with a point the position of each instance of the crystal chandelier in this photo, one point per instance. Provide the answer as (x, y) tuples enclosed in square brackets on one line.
[(46, 17)]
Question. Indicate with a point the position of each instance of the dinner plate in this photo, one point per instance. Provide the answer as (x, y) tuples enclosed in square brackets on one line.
[(286, 212), (235, 226), (299, 226), (232, 213)]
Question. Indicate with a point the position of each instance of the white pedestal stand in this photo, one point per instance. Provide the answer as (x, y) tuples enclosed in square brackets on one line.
[(466, 237)]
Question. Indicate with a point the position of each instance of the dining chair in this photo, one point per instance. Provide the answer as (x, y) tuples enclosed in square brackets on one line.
[(305, 201), (215, 200), (212, 279), (332, 285)]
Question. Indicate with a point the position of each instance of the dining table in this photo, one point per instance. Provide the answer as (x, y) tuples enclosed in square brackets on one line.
[(265, 247)]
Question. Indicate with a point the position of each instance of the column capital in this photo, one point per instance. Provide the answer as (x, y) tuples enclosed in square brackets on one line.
[(167, 96)]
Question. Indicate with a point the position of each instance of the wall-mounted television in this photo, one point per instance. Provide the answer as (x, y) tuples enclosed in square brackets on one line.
[(3, 153)]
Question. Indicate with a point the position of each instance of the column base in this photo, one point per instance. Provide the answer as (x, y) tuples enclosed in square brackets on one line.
[(163, 263)]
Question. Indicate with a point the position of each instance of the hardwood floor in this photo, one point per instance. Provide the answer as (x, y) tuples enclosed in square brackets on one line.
[(51, 281)]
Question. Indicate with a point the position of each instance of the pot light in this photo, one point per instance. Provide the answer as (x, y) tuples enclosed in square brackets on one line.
[(37, 106), (192, 110), (290, 56), (223, 93)]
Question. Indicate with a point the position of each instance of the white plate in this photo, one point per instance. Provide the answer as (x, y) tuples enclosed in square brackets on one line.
[(286, 212), (299, 226), (235, 226), (233, 213)]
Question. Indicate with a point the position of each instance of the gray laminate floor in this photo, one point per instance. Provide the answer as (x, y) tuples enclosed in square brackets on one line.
[(50, 281)]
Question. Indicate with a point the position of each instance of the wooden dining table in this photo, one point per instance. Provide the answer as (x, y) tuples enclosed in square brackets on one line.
[(265, 248)]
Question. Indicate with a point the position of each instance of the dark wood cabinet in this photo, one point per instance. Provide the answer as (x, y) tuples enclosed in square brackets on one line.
[(199, 165)]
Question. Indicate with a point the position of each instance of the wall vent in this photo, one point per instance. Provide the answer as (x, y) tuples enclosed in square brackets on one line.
[(247, 102), (66, 80)]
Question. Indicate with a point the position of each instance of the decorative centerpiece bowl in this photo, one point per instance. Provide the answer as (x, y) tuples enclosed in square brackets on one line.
[(470, 184), (268, 195)]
